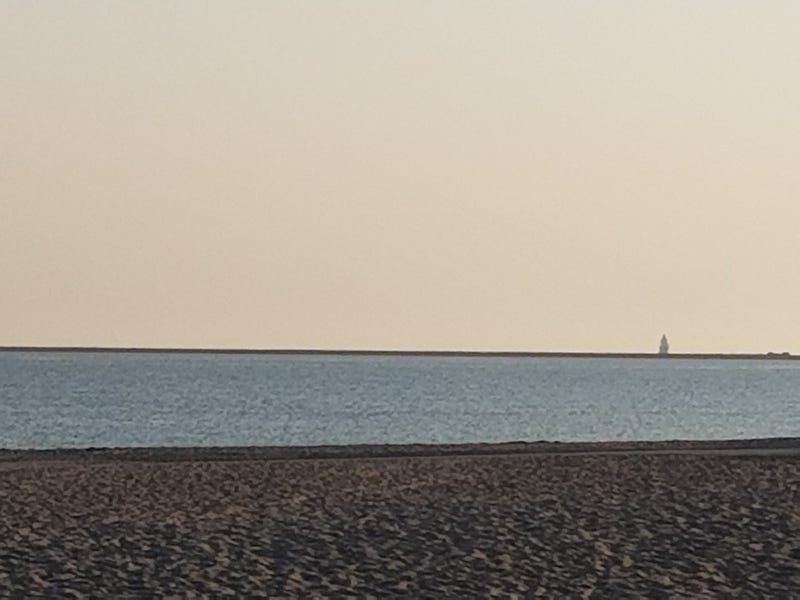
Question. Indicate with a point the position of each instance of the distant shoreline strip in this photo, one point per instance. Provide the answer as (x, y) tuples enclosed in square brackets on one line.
[(421, 353)]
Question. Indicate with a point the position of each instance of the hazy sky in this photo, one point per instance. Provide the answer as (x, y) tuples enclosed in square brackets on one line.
[(412, 175)]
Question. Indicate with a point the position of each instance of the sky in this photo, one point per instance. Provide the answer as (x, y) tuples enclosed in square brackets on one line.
[(543, 176)]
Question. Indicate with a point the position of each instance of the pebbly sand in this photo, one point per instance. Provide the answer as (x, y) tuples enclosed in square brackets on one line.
[(671, 520)]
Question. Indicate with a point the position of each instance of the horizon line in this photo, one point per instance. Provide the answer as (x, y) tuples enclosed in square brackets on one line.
[(389, 352)]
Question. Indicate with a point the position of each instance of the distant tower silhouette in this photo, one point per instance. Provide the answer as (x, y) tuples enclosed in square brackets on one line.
[(663, 347)]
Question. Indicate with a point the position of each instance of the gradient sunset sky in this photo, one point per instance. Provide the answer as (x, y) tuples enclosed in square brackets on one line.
[(555, 175)]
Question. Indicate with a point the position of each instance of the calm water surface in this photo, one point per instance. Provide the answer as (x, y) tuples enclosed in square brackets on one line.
[(112, 399)]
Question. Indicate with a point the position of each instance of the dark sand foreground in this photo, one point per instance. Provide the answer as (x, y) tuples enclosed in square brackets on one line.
[(505, 521)]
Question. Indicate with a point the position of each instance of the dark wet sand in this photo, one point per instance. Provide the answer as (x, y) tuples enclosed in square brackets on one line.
[(680, 520)]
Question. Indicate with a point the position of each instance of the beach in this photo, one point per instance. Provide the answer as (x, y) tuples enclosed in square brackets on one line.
[(666, 520)]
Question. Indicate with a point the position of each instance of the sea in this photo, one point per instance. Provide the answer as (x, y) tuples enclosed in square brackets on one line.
[(115, 399)]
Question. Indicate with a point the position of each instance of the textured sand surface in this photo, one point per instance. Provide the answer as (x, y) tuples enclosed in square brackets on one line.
[(237, 523)]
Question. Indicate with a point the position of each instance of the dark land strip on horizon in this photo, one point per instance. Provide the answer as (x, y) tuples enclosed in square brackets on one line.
[(422, 353)]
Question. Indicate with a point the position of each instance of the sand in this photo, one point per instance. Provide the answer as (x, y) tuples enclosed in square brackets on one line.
[(507, 521)]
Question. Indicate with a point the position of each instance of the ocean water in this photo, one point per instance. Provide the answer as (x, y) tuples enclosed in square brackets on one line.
[(71, 399)]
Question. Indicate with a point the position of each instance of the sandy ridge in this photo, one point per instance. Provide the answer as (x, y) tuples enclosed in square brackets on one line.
[(759, 446)]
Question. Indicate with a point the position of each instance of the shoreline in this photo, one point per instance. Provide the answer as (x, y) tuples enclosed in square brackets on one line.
[(779, 446), (408, 353)]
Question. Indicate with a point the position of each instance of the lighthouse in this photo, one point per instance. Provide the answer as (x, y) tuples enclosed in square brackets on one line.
[(663, 347)]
